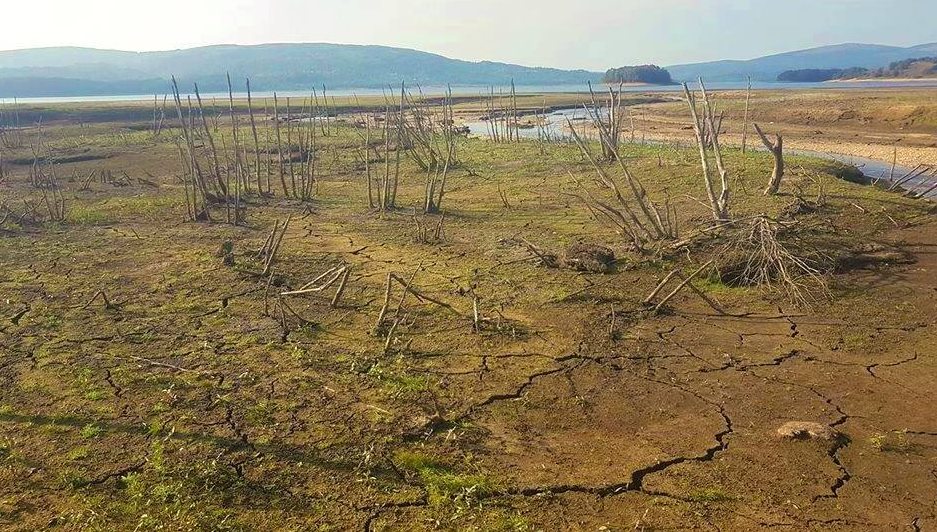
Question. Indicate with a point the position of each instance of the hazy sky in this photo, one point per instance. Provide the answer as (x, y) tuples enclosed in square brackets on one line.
[(593, 34)]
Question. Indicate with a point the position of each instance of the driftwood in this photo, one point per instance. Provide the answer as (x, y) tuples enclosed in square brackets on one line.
[(341, 287), (338, 274), (407, 288)]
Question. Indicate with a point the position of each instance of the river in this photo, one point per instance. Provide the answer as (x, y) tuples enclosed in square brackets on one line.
[(555, 128)]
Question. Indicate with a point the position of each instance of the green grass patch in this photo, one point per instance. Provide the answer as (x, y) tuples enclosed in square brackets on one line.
[(442, 483), (90, 431), (710, 495)]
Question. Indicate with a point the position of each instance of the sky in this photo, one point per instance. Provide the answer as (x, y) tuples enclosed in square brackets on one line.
[(590, 34)]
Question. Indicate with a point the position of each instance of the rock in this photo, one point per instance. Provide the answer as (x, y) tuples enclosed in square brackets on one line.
[(807, 430), (589, 258)]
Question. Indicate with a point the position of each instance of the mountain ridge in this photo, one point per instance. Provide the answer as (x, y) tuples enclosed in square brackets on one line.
[(767, 68), (84, 71), (271, 66)]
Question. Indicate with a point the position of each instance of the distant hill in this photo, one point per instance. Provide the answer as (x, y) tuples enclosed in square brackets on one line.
[(842, 56), (86, 71), (652, 74), (916, 68), (817, 75)]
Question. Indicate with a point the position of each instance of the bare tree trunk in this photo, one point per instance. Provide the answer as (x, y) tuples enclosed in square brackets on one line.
[(400, 125), (276, 128), (514, 112), (776, 149), (211, 143), (250, 110), (384, 190), (289, 146), (237, 153), (748, 100), (720, 202), (367, 158), (155, 115)]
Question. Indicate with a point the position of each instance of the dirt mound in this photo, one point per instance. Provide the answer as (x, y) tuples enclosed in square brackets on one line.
[(589, 258), (872, 255)]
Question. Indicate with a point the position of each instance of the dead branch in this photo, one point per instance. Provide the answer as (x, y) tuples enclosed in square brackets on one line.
[(684, 283)]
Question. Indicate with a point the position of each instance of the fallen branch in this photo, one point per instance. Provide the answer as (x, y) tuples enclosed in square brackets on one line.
[(686, 281)]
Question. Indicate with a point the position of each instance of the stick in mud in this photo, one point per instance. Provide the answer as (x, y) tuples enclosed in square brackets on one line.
[(686, 281), (341, 287), (276, 246), (107, 302), (660, 286)]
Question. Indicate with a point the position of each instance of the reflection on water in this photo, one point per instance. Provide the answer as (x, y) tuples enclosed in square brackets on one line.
[(552, 126)]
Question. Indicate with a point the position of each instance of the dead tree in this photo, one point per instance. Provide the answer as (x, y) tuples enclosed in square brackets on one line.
[(389, 180), (211, 144), (777, 150), (190, 160), (643, 224), (48, 183), (748, 101), (308, 155), (436, 177), (250, 111), (236, 164), (390, 190), (610, 129), (707, 139), (367, 158), (281, 170)]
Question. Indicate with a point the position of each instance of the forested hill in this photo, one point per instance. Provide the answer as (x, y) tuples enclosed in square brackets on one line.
[(916, 68), (86, 71)]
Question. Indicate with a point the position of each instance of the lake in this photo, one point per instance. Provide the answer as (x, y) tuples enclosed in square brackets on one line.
[(480, 90)]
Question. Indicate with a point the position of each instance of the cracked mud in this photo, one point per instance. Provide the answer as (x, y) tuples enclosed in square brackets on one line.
[(184, 404)]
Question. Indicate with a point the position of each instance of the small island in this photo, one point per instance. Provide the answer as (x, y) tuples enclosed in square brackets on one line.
[(649, 74)]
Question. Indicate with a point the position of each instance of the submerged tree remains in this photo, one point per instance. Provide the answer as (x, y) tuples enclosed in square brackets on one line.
[(777, 150)]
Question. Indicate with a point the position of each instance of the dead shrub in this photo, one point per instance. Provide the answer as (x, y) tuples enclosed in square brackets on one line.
[(761, 251)]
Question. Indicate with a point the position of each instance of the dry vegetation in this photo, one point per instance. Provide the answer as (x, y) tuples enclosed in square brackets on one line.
[(332, 315)]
